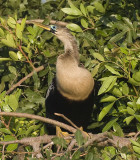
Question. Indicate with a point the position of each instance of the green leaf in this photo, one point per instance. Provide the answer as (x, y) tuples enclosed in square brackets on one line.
[(13, 103), (117, 37), (19, 31), (112, 70), (130, 111), (109, 125), (125, 89), (84, 23), (136, 76), (36, 81), (137, 117), (89, 156), (90, 9), (76, 155), (5, 59), (106, 84), (136, 149), (118, 129), (128, 119), (99, 7), (59, 141), (105, 110), (95, 70), (79, 137), (1, 33), (11, 147), (9, 41), (13, 70), (13, 55), (11, 22), (97, 56), (23, 23), (5, 130), (30, 130), (135, 143), (83, 9), (72, 11), (116, 91), (124, 50), (128, 22), (50, 77), (133, 82), (129, 37), (108, 98), (74, 27)]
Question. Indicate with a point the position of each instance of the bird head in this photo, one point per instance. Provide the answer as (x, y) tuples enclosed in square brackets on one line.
[(61, 32)]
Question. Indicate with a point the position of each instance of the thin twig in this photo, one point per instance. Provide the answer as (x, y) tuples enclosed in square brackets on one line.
[(71, 145), (25, 78), (67, 119), (26, 57)]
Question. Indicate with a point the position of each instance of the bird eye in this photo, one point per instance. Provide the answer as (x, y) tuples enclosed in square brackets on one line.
[(53, 27)]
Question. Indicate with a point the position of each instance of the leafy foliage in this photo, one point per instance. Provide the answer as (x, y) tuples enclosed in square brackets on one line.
[(108, 34)]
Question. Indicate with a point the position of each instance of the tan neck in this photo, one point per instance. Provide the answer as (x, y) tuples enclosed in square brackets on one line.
[(73, 82), (70, 45)]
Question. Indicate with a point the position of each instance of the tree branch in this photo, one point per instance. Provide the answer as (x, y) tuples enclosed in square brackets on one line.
[(46, 120), (60, 23)]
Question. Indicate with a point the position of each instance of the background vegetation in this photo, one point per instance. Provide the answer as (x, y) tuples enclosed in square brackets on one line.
[(107, 32)]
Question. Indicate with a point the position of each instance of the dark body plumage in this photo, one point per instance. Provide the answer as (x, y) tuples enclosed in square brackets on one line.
[(79, 112), (71, 92)]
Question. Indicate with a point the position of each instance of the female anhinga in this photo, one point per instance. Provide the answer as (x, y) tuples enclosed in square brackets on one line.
[(71, 92)]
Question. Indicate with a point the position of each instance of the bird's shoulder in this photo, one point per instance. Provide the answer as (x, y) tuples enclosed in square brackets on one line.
[(52, 88)]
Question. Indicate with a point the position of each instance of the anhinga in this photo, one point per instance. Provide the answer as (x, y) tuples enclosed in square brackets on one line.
[(71, 92)]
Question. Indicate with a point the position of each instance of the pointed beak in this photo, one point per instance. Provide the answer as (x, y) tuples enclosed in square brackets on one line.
[(42, 26)]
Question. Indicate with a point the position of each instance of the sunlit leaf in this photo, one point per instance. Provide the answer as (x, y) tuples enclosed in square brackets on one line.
[(19, 31), (1, 33), (117, 128), (136, 149), (109, 125), (74, 27), (137, 117), (133, 82), (135, 143), (106, 84), (84, 23), (125, 89), (5, 130), (105, 110), (117, 37), (13, 103), (108, 98), (13, 70), (112, 70), (83, 9), (9, 41), (95, 70), (97, 56), (136, 76), (130, 111), (13, 55), (72, 11), (128, 119), (5, 59), (99, 7)]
